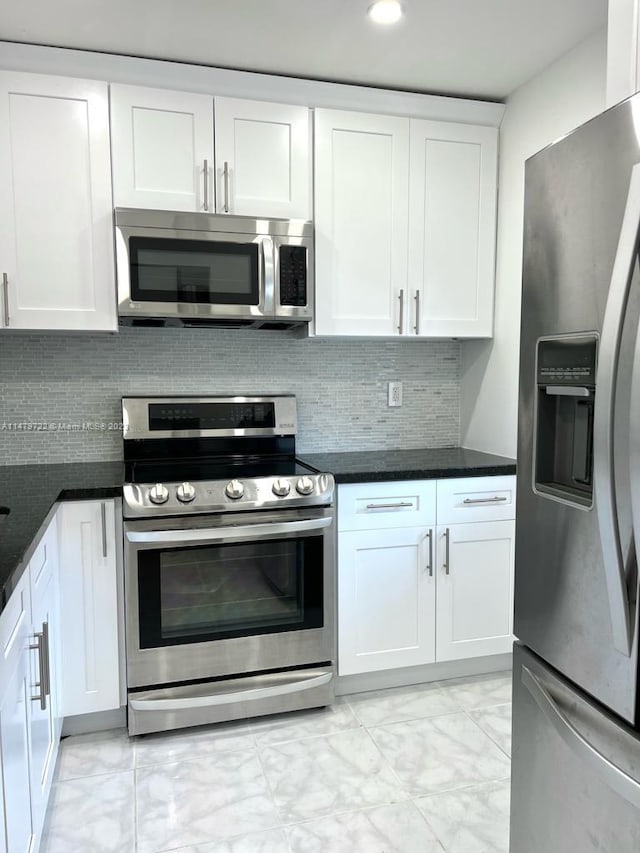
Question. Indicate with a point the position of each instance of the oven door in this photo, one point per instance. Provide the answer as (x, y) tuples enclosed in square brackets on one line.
[(194, 275), (215, 596)]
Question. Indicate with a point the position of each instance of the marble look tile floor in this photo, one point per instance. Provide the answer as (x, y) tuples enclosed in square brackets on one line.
[(421, 769)]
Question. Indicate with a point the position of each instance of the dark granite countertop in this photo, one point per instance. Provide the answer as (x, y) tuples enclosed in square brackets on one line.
[(371, 466), (29, 493)]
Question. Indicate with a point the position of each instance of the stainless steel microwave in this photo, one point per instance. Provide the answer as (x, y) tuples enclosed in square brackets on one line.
[(199, 269)]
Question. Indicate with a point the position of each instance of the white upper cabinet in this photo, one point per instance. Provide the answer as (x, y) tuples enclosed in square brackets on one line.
[(263, 159), (56, 211), (163, 153), (452, 228), (162, 146), (361, 220), (405, 226)]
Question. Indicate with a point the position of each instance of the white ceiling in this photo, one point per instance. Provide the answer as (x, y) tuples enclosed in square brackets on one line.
[(477, 48)]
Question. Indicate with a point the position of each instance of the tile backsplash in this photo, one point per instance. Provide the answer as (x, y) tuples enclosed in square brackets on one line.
[(60, 394)]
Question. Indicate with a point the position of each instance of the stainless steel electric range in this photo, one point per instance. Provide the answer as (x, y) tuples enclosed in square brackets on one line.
[(229, 563)]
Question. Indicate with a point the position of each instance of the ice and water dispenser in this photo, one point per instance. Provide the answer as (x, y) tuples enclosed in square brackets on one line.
[(566, 390)]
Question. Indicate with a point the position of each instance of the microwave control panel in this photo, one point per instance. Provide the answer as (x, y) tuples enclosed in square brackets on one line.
[(293, 275)]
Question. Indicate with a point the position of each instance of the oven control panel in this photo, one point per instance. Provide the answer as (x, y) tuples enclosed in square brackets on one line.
[(164, 499)]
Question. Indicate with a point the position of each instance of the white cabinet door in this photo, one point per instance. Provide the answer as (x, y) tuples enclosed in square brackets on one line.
[(361, 219), (15, 699), (89, 607), (162, 147), (45, 720), (56, 210), (386, 600), (263, 163), (452, 216), (474, 589)]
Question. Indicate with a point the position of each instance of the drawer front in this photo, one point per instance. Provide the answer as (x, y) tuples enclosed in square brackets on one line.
[(44, 562), (476, 499), (371, 506), (15, 624)]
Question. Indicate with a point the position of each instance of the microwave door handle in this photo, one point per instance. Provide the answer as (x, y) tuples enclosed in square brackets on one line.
[(221, 535), (268, 276), (604, 407)]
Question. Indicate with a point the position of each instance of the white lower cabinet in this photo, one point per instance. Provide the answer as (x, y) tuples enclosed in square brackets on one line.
[(45, 724), (475, 589), (15, 701), (64, 608), (422, 594), (387, 599), (89, 607)]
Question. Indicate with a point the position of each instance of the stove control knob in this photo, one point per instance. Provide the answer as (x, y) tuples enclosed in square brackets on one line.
[(185, 493), (304, 485), (281, 487), (158, 494), (234, 490)]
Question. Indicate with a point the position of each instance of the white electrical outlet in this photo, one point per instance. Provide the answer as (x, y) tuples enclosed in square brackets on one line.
[(394, 394)]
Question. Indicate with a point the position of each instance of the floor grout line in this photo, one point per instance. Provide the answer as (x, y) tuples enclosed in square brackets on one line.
[(406, 794)]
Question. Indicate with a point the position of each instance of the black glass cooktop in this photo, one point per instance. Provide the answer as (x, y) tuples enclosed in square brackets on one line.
[(215, 468)]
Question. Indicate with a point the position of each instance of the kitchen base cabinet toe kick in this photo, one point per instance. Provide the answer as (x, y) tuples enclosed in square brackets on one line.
[(425, 577)]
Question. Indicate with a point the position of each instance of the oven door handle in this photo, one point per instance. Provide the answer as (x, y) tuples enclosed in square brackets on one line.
[(214, 535), (182, 703)]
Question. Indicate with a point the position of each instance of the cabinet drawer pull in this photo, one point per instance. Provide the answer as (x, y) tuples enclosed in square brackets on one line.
[(390, 506), (103, 518), (494, 500), (5, 297), (401, 317), (416, 328), (206, 185), (225, 174), (430, 564), (44, 685), (446, 566)]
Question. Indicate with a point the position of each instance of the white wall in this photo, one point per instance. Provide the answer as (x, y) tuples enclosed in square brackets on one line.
[(554, 102)]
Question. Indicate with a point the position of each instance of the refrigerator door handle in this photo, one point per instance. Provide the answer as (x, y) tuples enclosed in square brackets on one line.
[(634, 445), (608, 358), (615, 778)]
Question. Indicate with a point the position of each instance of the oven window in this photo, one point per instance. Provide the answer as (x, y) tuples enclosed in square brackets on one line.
[(192, 595), (194, 271)]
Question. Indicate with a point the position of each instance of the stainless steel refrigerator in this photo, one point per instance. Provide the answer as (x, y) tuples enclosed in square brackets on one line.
[(576, 694)]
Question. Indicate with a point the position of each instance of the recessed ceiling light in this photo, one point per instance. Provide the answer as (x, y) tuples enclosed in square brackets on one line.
[(385, 11)]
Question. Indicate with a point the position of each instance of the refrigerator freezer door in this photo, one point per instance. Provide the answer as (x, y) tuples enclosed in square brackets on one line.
[(575, 778), (574, 602)]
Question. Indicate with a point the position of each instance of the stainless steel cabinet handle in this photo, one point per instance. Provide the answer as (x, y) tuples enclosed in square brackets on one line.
[(5, 297), (416, 328), (401, 318), (603, 431), (103, 514), (390, 506), (445, 565), (430, 563), (615, 778), (225, 175), (46, 675), (495, 500), (39, 646), (206, 185)]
